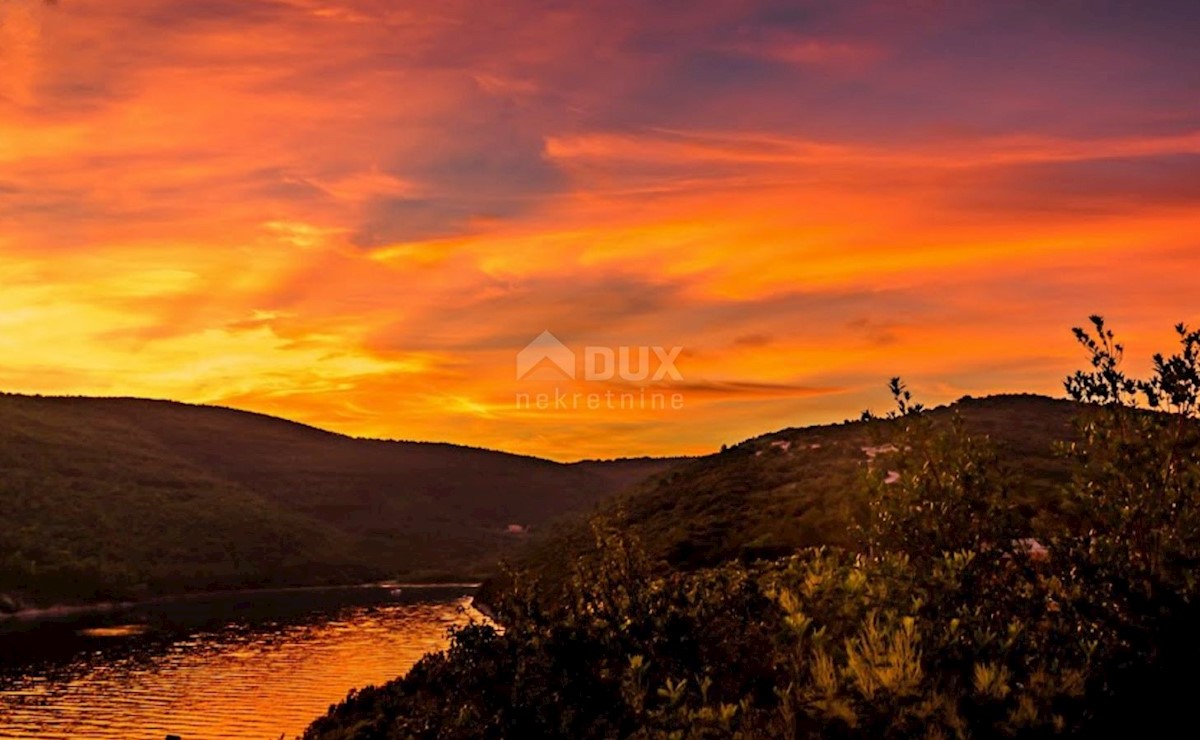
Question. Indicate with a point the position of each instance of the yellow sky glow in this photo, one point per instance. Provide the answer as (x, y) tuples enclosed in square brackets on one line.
[(356, 214)]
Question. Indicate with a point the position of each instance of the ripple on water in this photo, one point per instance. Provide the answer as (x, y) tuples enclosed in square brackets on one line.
[(222, 684), (120, 630)]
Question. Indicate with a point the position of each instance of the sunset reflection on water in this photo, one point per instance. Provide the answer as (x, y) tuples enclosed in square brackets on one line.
[(258, 680)]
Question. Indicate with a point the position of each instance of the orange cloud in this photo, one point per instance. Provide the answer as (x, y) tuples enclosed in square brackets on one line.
[(355, 214)]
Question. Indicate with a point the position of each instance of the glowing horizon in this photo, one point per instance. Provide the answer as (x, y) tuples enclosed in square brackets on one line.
[(355, 215)]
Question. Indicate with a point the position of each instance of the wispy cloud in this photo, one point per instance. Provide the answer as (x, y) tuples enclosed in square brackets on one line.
[(355, 213)]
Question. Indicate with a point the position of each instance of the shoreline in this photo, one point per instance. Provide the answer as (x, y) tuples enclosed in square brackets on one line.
[(100, 607), (485, 610)]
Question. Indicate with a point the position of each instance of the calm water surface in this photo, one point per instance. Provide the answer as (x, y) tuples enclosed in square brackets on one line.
[(227, 667)]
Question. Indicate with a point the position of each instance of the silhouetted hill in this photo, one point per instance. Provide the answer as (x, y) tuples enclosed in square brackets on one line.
[(103, 498), (799, 487)]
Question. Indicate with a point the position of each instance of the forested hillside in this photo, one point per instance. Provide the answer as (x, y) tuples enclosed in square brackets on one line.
[(112, 498), (803, 487)]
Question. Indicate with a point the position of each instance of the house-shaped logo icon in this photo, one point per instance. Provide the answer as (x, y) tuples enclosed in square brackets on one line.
[(545, 357)]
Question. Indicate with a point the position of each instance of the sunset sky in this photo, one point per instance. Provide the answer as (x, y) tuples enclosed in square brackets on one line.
[(355, 214)]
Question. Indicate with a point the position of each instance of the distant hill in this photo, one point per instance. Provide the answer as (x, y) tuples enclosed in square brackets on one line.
[(799, 487), (111, 498)]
